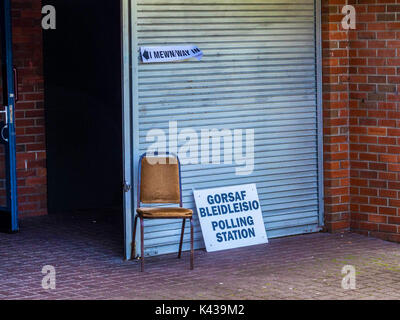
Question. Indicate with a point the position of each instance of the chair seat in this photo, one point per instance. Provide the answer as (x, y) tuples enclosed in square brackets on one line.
[(165, 212)]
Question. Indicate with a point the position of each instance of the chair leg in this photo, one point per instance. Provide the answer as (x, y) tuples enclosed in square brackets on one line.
[(134, 238), (181, 243), (142, 244), (191, 244)]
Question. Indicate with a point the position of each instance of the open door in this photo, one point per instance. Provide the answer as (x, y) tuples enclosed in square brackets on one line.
[(8, 179)]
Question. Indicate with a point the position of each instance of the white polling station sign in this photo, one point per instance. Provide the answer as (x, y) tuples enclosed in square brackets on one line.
[(169, 53), (230, 217)]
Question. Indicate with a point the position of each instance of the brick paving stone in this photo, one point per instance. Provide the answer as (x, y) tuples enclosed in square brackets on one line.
[(89, 265)]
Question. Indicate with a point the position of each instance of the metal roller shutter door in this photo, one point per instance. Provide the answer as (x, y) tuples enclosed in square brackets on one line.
[(258, 72)]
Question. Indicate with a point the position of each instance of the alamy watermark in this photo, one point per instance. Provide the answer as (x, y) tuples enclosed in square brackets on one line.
[(49, 279), (349, 280), (204, 146), (349, 21), (49, 20)]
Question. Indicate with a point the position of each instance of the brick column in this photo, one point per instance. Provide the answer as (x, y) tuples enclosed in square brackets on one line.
[(336, 116), (30, 130), (374, 119)]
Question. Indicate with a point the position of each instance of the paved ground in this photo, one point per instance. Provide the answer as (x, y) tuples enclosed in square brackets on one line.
[(87, 258)]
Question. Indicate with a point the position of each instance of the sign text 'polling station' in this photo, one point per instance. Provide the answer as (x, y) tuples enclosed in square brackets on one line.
[(230, 217)]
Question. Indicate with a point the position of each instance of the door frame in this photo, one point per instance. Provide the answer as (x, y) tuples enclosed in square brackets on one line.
[(9, 109), (127, 117)]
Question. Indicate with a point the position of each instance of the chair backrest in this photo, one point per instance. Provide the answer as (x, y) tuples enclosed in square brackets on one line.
[(159, 179)]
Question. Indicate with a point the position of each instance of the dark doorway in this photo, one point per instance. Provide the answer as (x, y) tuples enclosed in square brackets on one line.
[(82, 69)]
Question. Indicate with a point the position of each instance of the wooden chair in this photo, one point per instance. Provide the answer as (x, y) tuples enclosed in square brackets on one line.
[(160, 183)]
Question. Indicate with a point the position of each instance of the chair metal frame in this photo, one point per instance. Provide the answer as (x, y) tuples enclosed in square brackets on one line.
[(138, 202)]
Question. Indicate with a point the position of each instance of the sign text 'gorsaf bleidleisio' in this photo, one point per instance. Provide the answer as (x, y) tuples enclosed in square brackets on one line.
[(169, 53), (230, 217)]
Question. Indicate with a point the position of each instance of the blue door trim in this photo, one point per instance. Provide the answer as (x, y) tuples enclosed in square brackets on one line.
[(9, 104)]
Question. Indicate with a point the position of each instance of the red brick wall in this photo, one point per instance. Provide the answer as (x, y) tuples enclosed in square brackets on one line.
[(336, 116), (361, 112), (375, 119), (30, 130)]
